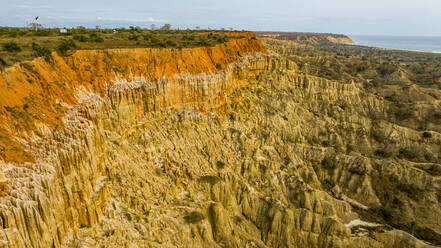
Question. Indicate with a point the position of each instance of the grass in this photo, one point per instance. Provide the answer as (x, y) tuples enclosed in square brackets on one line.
[(19, 44)]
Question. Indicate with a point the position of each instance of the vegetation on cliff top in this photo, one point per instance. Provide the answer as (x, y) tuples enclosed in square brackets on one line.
[(18, 44)]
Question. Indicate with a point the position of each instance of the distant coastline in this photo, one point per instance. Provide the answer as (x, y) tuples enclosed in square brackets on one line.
[(403, 43), (307, 37), (357, 44)]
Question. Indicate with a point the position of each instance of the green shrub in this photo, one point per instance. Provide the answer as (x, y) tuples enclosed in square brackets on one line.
[(337, 146), (11, 47), (328, 184), (65, 46), (188, 37), (194, 217), (3, 62), (359, 170), (41, 51), (203, 42), (80, 38), (133, 37), (435, 170), (329, 163), (84, 226), (314, 140), (96, 38), (147, 36), (209, 179), (412, 226), (41, 32), (154, 41), (221, 39), (171, 43), (220, 164), (349, 148), (427, 135), (382, 153), (158, 171), (386, 69), (162, 44), (408, 153), (12, 34)]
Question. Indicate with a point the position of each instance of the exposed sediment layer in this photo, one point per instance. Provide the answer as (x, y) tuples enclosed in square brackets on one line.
[(59, 187), (32, 93)]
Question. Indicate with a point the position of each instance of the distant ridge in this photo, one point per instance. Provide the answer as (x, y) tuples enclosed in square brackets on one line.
[(308, 37)]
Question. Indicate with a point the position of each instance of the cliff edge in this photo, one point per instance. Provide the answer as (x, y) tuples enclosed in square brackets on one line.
[(308, 37)]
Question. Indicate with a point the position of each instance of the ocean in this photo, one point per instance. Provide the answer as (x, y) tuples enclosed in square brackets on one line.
[(413, 43)]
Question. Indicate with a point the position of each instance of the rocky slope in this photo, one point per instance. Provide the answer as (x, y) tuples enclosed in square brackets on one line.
[(308, 37), (214, 147)]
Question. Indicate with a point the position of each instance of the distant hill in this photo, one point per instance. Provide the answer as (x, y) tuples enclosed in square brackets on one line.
[(308, 37)]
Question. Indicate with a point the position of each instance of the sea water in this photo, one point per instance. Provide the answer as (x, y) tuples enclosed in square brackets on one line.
[(413, 43)]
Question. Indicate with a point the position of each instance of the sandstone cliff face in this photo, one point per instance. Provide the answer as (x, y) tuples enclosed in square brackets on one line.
[(208, 157), (309, 37), (32, 93), (57, 188)]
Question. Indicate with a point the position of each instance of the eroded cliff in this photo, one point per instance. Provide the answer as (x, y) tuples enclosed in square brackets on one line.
[(211, 147), (313, 38)]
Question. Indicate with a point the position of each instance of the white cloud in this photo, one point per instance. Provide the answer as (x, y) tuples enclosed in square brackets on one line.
[(24, 6), (150, 19)]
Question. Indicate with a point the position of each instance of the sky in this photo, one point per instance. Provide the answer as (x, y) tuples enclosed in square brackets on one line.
[(352, 17)]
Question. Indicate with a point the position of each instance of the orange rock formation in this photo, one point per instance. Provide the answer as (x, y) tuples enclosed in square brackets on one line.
[(32, 92)]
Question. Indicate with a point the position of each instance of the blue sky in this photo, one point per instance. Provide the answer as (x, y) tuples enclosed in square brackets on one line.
[(373, 17)]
